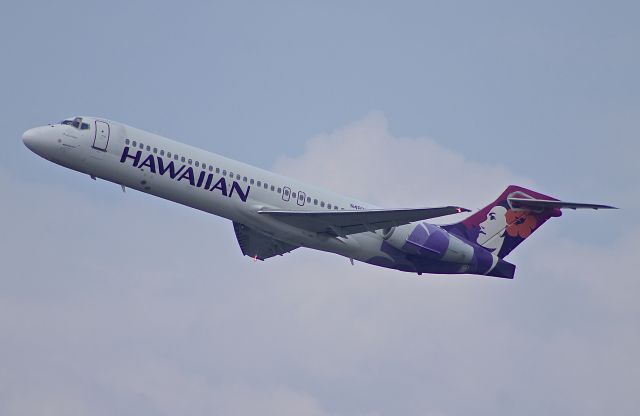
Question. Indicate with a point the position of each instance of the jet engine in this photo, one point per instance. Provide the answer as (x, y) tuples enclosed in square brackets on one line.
[(429, 240)]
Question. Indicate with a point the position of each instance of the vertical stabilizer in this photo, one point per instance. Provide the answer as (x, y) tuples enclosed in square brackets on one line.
[(502, 225)]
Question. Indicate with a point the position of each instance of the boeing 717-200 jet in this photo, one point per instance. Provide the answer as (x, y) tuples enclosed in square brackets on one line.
[(273, 214)]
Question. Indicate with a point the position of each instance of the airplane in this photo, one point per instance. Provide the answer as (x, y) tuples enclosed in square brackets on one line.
[(273, 214)]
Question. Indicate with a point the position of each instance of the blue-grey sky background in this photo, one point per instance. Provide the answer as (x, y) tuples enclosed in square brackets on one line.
[(116, 303)]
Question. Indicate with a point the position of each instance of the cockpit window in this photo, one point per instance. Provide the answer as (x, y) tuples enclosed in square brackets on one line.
[(77, 123)]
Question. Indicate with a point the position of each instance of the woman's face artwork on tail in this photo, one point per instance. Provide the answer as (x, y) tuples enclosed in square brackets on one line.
[(491, 235)]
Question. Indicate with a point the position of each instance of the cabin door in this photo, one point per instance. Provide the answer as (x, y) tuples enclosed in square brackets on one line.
[(101, 138)]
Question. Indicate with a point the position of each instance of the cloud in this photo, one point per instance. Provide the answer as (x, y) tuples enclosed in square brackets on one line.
[(365, 160), (169, 389), (134, 305)]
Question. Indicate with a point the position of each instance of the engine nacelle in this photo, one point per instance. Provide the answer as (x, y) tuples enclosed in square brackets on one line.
[(429, 240)]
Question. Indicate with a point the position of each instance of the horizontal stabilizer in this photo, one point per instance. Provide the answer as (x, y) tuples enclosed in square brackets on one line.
[(342, 223), (538, 204)]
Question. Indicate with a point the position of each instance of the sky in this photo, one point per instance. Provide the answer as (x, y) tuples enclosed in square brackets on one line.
[(123, 303)]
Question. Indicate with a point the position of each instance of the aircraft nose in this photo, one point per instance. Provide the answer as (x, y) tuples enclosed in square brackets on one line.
[(29, 138)]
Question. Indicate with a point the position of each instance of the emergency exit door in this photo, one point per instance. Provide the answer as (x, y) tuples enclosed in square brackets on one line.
[(301, 198), (101, 138)]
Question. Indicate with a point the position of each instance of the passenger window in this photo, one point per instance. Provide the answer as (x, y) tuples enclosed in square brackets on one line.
[(293, 194), (141, 146), (217, 170), (237, 177), (133, 143), (190, 161), (148, 148), (197, 163), (279, 190), (244, 179), (266, 186), (335, 208), (301, 198), (126, 141), (329, 206), (322, 204), (308, 200), (169, 155), (251, 181), (210, 168), (315, 202), (286, 193), (155, 150), (259, 183), (224, 173), (183, 159), (273, 188), (175, 157), (161, 152)]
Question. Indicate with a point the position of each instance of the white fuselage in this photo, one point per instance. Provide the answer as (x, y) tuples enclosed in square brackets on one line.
[(241, 189)]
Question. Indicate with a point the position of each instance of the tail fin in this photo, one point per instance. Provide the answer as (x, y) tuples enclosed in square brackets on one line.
[(505, 223)]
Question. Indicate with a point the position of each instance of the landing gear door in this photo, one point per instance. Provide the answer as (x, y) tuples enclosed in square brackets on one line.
[(101, 138)]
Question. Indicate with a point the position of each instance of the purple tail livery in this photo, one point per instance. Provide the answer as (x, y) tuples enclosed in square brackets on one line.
[(504, 224)]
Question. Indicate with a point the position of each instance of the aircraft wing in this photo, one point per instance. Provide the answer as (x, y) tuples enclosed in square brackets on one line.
[(342, 223), (258, 245), (549, 204)]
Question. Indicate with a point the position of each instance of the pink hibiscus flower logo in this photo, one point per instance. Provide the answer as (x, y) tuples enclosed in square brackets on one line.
[(520, 223)]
